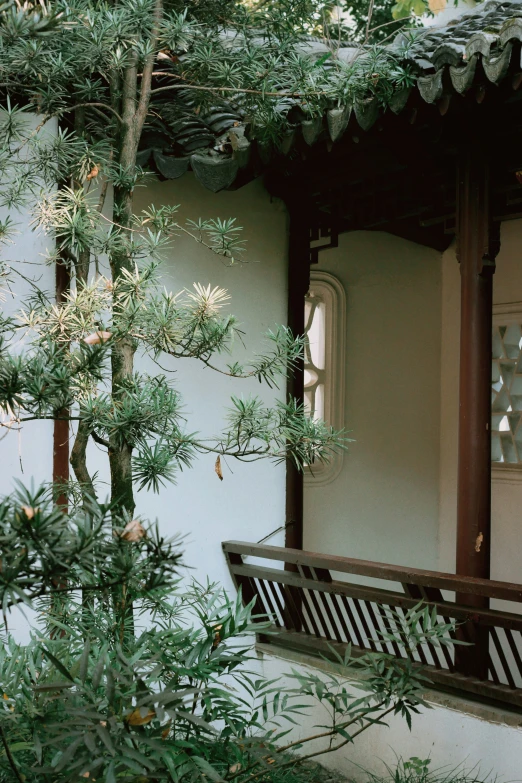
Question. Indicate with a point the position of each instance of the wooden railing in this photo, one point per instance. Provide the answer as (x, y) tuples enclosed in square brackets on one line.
[(312, 609)]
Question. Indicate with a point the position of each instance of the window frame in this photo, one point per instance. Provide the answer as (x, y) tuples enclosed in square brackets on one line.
[(334, 297), (505, 315)]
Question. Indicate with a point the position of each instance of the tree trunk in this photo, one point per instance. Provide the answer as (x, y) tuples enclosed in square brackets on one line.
[(134, 107), (123, 350), (78, 458), (61, 422)]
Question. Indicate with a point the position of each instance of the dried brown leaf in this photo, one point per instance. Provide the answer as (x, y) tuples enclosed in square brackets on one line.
[(137, 719), (133, 531), (93, 173), (217, 468)]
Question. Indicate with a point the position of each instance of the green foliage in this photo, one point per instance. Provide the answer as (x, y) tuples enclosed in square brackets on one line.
[(65, 365), (73, 350), (417, 770), (405, 8), (258, 66), (30, 20), (130, 677), (108, 81), (45, 551)]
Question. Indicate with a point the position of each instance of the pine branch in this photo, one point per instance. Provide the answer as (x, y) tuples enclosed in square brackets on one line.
[(79, 462), (369, 21), (145, 92), (100, 441), (238, 90)]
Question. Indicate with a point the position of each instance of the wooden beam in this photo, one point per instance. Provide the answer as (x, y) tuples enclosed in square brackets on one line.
[(376, 595), (503, 591), (437, 679), (477, 246), (298, 282)]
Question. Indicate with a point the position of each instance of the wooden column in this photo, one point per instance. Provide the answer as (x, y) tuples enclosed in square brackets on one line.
[(477, 248), (298, 282), (61, 426)]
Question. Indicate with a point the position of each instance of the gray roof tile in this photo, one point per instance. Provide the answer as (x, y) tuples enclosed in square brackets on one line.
[(217, 144)]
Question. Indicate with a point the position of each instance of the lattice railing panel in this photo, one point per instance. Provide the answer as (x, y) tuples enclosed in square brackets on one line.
[(310, 607)]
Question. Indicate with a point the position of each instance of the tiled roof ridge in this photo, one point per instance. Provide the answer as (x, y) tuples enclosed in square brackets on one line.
[(216, 144), (486, 33)]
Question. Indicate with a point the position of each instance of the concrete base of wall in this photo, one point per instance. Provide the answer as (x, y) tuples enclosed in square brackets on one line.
[(451, 732)]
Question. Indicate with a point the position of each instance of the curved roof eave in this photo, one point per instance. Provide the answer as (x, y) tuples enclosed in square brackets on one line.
[(447, 58)]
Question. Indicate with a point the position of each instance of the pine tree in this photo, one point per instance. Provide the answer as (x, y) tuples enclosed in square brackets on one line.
[(94, 695), (106, 59), (108, 74)]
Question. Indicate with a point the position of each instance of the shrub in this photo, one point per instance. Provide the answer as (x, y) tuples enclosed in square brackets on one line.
[(131, 677)]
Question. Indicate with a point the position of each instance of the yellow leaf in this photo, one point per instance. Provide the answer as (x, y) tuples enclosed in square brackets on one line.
[(137, 719), (217, 468), (6, 697)]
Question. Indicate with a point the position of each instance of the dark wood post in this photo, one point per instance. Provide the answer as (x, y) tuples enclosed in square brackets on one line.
[(477, 248), (298, 283), (61, 425)]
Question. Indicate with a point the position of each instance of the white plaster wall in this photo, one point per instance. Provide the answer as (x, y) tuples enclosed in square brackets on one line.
[(25, 455), (506, 533), (395, 499), (384, 504), (22, 457), (25, 458), (249, 503), (449, 737)]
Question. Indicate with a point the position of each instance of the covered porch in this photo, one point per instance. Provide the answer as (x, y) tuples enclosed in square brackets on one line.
[(441, 170)]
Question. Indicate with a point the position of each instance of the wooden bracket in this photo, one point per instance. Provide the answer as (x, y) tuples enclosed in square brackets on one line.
[(323, 237)]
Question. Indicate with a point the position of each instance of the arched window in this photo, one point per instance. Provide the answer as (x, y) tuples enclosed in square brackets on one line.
[(324, 365)]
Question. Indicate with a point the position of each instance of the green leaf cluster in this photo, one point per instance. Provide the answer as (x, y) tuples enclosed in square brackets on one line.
[(168, 691)]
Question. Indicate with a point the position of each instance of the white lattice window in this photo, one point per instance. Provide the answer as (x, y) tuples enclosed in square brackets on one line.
[(325, 362), (506, 389)]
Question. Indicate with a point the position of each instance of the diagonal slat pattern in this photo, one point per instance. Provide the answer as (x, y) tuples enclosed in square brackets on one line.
[(311, 608)]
